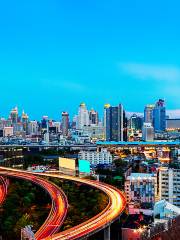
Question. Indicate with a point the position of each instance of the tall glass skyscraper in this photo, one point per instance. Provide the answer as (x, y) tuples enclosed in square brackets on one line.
[(115, 123), (159, 116), (65, 123), (148, 114)]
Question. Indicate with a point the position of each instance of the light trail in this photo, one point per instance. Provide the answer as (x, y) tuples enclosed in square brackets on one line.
[(3, 189), (115, 207), (59, 207)]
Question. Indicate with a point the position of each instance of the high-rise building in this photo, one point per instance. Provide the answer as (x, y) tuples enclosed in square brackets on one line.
[(74, 123), (33, 128), (44, 124), (115, 123), (169, 185), (147, 132), (125, 127), (136, 122), (159, 116), (93, 117), (106, 106), (25, 120), (83, 116), (65, 123), (57, 125), (148, 114), (14, 115)]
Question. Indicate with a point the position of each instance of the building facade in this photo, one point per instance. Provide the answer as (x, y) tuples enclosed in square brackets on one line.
[(65, 123), (83, 116), (169, 185), (147, 132), (115, 123), (141, 188), (148, 113), (159, 116), (96, 157)]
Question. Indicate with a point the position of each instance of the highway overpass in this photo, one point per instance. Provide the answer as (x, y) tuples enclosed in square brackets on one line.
[(59, 204), (115, 207)]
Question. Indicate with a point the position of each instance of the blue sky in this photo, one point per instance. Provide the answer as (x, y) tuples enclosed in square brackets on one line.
[(56, 54)]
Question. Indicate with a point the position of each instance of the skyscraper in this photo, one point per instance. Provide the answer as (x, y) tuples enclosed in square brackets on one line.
[(25, 121), (65, 123), (83, 116), (147, 132), (115, 123), (45, 124), (136, 122), (93, 117), (14, 115), (148, 114), (159, 116), (106, 106)]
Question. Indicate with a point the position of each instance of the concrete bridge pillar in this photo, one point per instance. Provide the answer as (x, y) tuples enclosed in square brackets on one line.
[(107, 233)]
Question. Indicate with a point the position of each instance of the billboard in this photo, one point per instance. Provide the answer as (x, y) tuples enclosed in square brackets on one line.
[(67, 163), (84, 166)]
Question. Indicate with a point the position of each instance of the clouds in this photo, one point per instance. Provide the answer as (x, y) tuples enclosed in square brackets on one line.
[(174, 113), (161, 81), (152, 72)]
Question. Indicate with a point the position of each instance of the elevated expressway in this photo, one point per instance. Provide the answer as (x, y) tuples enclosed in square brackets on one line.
[(3, 189), (59, 207), (115, 207)]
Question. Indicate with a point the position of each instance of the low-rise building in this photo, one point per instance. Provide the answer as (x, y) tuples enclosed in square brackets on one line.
[(96, 157), (141, 188), (8, 131)]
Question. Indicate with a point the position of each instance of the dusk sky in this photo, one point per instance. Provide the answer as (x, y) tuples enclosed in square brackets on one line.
[(56, 54)]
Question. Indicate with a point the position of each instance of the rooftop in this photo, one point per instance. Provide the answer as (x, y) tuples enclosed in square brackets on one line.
[(134, 176)]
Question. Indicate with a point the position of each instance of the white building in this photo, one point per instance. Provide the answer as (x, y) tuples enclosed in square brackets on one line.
[(8, 131), (147, 132), (169, 185), (95, 132), (57, 125), (96, 157), (141, 188), (83, 116), (46, 137), (79, 137), (33, 128), (165, 210)]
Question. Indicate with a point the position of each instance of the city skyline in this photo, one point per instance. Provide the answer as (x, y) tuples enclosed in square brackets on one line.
[(55, 55), (170, 113)]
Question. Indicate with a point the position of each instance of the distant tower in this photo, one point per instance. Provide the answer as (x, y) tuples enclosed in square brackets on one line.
[(159, 115), (25, 121), (106, 106), (14, 115), (83, 116), (136, 122), (45, 124), (147, 132), (115, 122), (148, 114), (65, 123), (93, 117)]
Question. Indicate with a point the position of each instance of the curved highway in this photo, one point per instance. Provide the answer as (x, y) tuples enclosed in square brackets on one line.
[(59, 207), (3, 189), (116, 205)]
